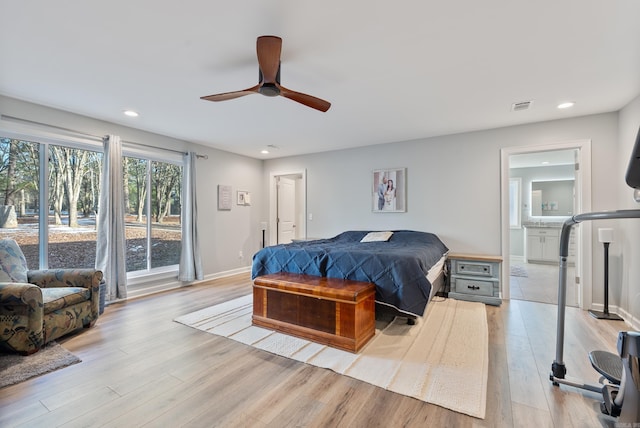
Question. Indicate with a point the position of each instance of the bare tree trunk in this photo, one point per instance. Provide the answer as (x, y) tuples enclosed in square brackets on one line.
[(140, 171), (125, 180), (10, 191), (56, 187), (22, 211), (75, 160)]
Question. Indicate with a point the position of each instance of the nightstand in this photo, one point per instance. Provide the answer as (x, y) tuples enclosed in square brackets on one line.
[(475, 277)]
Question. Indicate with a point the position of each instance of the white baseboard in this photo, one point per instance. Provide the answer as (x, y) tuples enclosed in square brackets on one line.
[(170, 283), (629, 319)]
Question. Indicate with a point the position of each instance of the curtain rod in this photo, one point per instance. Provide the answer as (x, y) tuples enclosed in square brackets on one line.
[(84, 134)]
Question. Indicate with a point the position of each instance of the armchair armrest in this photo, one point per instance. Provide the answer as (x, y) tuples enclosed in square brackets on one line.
[(86, 278), (19, 293), (21, 318)]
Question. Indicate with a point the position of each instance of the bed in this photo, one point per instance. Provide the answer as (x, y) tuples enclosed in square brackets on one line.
[(407, 268)]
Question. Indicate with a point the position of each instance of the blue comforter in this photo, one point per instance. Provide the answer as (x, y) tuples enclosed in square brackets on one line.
[(398, 267)]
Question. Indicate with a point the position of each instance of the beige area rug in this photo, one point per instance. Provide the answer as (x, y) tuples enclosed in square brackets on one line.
[(442, 359), (18, 368)]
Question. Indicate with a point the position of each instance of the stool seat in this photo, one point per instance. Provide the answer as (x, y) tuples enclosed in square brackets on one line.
[(607, 364)]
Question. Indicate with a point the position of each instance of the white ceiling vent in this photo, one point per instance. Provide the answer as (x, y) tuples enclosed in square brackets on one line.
[(523, 105)]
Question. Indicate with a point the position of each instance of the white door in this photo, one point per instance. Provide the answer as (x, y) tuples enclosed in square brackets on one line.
[(286, 210)]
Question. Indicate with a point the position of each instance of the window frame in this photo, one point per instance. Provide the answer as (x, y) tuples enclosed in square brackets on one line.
[(87, 142), (151, 154), (45, 140)]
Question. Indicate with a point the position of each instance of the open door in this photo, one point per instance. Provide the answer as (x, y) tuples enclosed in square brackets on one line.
[(286, 217), (287, 207), (514, 238)]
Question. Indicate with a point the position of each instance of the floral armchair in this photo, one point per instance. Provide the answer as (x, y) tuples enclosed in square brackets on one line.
[(38, 306)]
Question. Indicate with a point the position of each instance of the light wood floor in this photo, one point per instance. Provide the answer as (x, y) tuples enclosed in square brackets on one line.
[(139, 368), (541, 283)]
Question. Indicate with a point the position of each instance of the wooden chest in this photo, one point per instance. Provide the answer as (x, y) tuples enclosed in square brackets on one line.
[(335, 312)]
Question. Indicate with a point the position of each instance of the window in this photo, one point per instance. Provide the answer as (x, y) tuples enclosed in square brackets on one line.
[(515, 202), (49, 194), (153, 229), (58, 197), (74, 190), (20, 196)]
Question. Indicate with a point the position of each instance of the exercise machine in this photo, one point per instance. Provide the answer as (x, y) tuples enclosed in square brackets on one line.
[(621, 391)]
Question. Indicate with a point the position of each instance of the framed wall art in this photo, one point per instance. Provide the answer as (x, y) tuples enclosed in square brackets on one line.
[(389, 190), (224, 197), (244, 198)]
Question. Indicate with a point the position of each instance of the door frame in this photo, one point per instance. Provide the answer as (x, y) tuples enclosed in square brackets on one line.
[(584, 195), (273, 202)]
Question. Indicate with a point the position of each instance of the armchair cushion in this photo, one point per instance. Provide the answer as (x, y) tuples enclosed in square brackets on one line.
[(58, 298), (13, 264)]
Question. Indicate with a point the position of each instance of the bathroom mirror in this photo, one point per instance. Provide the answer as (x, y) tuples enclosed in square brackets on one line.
[(552, 198)]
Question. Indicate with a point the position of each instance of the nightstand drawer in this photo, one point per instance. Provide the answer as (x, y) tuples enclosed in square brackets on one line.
[(474, 286), (473, 268)]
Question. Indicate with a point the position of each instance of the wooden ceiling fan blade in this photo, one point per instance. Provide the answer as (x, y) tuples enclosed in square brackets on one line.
[(231, 95), (308, 100), (269, 49)]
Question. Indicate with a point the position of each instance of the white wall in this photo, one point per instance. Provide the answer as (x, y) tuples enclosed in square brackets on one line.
[(625, 251), (453, 181), (223, 234)]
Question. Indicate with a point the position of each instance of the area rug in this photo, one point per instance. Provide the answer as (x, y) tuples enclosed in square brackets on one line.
[(518, 271), (442, 359), (18, 368)]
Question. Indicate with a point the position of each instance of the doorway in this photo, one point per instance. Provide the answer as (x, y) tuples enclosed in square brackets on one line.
[(542, 186), (287, 207)]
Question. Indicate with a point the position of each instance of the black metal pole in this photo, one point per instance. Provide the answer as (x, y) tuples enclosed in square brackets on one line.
[(605, 315), (606, 278)]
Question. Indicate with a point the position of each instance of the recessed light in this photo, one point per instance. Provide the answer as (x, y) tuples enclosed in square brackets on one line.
[(566, 105), (545, 162), (131, 113), (264, 152)]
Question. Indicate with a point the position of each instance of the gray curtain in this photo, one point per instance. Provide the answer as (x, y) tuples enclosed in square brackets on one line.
[(110, 250), (190, 261)]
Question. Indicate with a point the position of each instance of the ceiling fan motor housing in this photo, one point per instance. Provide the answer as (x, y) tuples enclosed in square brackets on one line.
[(269, 89)]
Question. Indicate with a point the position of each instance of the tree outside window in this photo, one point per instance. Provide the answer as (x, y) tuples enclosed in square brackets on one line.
[(19, 195), (152, 213), (72, 177)]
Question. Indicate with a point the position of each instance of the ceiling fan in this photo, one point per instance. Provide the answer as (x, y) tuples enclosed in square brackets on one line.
[(268, 49)]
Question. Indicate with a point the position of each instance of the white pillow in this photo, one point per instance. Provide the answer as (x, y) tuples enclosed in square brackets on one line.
[(376, 236)]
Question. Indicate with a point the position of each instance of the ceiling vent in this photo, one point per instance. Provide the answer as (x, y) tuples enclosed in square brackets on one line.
[(523, 105)]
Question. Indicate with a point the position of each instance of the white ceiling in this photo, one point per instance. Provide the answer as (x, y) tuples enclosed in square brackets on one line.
[(393, 71)]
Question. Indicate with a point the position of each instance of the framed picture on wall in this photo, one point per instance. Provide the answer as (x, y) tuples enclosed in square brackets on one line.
[(244, 198), (389, 190), (224, 197)]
